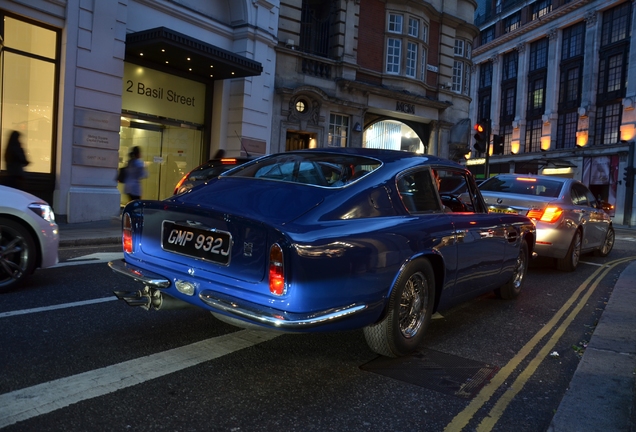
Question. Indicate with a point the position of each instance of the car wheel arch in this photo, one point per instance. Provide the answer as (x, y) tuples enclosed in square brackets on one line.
[(32, 232), (437, 263)]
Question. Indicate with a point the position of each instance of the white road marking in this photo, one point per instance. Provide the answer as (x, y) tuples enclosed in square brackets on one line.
[(44, 398), (94, 258), (54, 307)]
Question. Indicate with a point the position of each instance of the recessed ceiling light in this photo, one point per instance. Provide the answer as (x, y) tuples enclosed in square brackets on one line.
[(166, 61), (163, 50), (188, 58), (141, 54), (190, 69), (211, 65), (232, 73)]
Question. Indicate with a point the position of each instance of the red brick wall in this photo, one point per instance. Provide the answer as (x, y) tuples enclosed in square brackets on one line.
[(371, 34)]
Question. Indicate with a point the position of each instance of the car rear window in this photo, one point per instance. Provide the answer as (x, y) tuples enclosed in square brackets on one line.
[(523, 185), (318, 169)]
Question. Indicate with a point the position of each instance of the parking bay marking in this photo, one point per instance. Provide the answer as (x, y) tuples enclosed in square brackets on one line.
[(463, 418), (44, 398), (54, 307)]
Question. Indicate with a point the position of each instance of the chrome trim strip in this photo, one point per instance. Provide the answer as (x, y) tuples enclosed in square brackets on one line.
[(145, 276), (276, 318)]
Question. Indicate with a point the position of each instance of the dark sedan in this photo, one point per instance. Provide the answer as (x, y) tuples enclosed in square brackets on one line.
[(326, 240)]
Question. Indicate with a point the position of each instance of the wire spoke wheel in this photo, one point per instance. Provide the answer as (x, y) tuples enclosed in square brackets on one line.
[(408, 312), (413, 305)]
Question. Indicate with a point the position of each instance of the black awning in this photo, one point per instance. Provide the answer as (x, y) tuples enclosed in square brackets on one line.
[(169, 50)]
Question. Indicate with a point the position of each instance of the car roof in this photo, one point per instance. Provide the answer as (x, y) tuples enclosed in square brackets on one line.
[(386, 156)]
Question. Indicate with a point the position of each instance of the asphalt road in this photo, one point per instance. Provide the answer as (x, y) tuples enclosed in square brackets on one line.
[(75, 359)]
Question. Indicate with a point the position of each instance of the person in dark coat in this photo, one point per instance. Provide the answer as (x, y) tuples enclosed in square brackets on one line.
[(15, 161)]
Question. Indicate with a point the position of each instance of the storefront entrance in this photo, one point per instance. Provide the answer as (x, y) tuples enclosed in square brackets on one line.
[(168, 152)]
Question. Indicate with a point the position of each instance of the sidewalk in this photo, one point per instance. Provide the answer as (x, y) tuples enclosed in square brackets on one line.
[(602, 393), (91, 233)]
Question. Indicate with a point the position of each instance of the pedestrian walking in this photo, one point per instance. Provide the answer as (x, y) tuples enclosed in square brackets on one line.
[(135, 172), (15, 160)]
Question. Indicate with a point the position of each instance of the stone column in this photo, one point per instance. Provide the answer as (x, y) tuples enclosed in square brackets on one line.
[(551, 114), (587, 111), (519, 124)]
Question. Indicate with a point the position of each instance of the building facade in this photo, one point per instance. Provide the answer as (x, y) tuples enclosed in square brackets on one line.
[(84, 81), (552, 78), (374, 73)]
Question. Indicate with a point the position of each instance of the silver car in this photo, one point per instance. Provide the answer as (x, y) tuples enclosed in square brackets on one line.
[(29, 236), (568, 218)]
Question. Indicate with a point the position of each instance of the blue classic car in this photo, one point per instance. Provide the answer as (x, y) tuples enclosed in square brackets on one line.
[(326, 240)]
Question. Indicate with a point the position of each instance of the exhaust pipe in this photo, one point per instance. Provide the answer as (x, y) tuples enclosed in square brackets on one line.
[(150, 298)]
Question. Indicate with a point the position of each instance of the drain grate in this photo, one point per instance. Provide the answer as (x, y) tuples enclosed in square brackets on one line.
[(437, 371)]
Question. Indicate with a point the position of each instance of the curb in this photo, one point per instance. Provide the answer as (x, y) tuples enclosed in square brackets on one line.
[(90, 242)]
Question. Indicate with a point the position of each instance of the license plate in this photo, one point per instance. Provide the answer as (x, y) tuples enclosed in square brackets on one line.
[(502, 210), (207, 244)]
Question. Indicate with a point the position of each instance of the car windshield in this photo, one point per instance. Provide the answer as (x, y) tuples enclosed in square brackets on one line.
[(523, 185), (318, 169)]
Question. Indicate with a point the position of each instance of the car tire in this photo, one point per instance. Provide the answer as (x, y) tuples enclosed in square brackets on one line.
[(608, 243), (571, 259), (408, 314), (512, 288), (17, 254)]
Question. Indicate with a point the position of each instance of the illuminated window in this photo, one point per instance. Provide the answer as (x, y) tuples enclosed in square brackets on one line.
[(27, 76)]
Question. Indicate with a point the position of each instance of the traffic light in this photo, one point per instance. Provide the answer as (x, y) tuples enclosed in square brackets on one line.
[(497, 144), (481, 136)]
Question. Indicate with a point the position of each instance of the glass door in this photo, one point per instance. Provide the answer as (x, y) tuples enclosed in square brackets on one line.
[(168, 152)]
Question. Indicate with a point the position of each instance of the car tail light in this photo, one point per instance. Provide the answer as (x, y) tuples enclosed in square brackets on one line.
[(550, 214), (126, 237), (276, 271), (228, 161)]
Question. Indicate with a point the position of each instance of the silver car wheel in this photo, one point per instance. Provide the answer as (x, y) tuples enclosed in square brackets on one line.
[(571, 259), (408, 312), (608, 244), (413, 305), (17, 254)]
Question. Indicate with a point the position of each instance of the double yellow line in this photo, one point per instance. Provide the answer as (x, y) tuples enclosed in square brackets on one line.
[(579, 298)]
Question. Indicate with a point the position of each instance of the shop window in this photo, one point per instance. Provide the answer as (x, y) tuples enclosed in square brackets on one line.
[(27, 75)]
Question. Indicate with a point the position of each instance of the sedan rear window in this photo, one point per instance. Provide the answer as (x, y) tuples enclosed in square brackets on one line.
[(318, 169), (523, 185)]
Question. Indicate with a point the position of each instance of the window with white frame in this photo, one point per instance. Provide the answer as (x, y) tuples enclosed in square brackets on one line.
[(461, 67), (458, 76), (393, 49), (414, 27), (459, 48), (406, 55), (411, 59), (338, 130), (395, 23)]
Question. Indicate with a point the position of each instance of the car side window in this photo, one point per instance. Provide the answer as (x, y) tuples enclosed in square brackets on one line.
[(418, 191), (455, 190), (579, 195)]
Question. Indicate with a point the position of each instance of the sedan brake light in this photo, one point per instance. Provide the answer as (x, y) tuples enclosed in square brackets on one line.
[(276, 270), (550, 214), (126, 237)]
